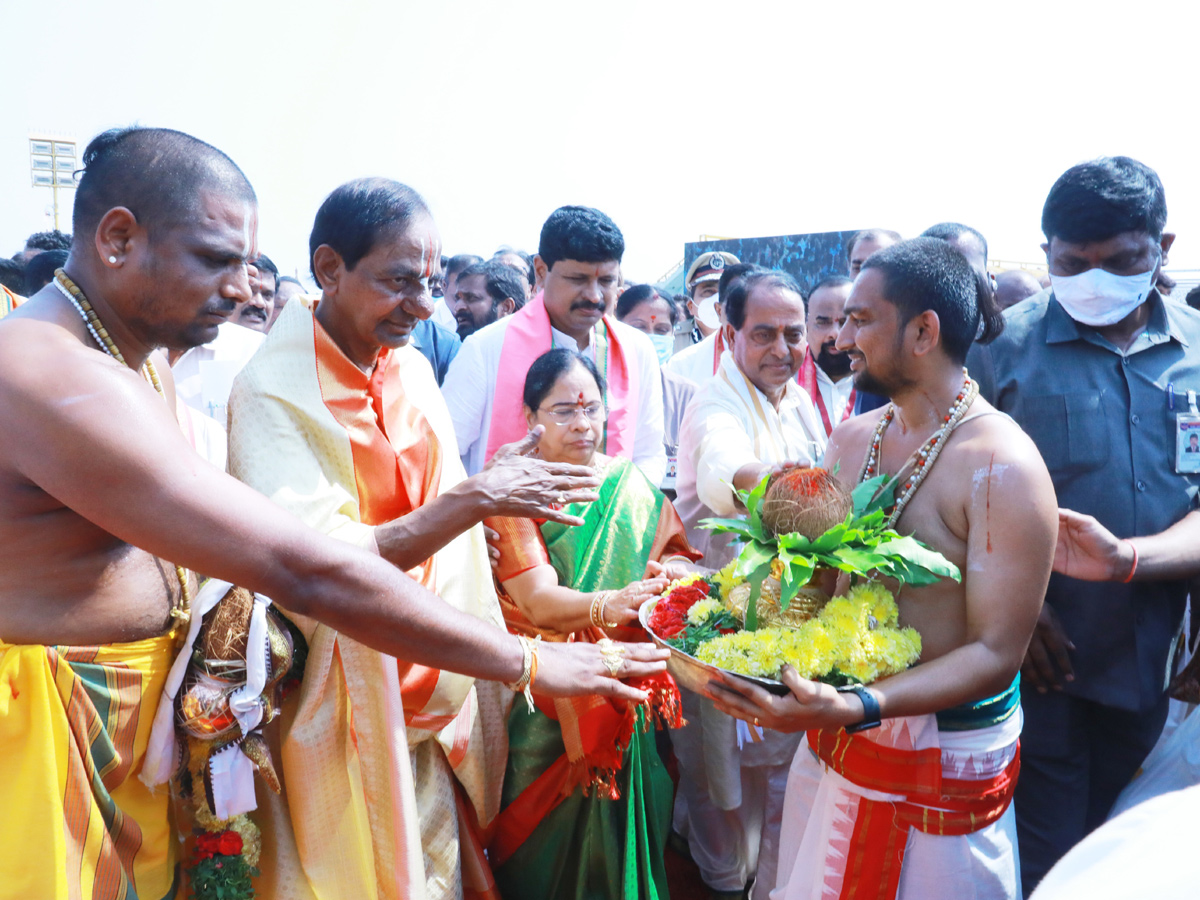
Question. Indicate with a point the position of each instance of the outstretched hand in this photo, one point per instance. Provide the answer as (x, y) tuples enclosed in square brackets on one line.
[(515, 483), (810, 704), (1089, 551), (576, 669)]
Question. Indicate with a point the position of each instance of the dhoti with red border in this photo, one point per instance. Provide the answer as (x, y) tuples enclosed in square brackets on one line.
[(904, 811)]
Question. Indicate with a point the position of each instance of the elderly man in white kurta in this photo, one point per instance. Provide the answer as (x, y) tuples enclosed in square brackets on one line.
[(751, 417), (578, 269)]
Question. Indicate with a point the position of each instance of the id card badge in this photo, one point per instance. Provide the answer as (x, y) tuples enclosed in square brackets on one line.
[(668, 483), (1187, 439)]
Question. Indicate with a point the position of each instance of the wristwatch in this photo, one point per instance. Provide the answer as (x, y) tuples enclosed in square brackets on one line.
[(870, 707)]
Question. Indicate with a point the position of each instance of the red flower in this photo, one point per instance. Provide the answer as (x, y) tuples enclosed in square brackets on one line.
[(670, 615), (225, 843), (666, 621), (229, 843)]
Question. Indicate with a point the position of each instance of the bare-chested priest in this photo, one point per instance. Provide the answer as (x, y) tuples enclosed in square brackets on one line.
[(918, 805), (98, 489)]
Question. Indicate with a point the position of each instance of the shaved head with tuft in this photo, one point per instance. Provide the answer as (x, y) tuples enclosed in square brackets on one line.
[(156, 173)]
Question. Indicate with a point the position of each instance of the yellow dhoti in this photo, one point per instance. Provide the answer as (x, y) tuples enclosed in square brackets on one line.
[(74, 724)]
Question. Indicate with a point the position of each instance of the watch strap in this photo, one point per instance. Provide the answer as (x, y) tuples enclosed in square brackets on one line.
[(871, 717)]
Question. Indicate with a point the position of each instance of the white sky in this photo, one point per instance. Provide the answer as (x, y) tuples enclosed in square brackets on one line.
[(741, 118)]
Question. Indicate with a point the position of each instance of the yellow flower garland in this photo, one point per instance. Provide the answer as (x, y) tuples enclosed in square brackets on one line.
[(857, 634)]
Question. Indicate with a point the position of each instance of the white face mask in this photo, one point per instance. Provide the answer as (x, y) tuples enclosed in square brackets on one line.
[(706, 312), (664, 346), (1099, 298)]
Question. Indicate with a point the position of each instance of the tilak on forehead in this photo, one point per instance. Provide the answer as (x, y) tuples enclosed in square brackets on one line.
[(249, 227), (429, 254)]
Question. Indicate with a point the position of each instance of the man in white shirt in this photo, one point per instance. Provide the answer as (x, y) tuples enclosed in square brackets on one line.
[(751, 417), (698, 362), (203, 378), (578, 266), (203, 375)]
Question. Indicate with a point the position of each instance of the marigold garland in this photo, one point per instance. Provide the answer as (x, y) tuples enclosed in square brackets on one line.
[(855, 638)]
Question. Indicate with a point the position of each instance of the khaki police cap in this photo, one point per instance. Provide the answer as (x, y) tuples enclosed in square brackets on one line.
[(709, 267)]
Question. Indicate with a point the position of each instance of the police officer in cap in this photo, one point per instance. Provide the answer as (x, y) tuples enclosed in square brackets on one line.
[(696, 362)]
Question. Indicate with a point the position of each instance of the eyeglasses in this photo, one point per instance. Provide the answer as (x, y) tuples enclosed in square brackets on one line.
[(565, 415)]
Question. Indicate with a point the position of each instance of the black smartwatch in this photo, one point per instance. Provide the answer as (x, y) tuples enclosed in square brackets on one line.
[(870, 707)]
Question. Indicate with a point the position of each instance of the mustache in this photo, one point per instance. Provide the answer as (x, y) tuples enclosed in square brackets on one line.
[(588, 307)]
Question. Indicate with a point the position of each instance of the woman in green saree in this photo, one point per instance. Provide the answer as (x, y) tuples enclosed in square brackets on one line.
[(586, 807)]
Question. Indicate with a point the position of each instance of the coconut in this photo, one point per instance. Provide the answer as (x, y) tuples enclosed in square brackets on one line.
[(805, 500)]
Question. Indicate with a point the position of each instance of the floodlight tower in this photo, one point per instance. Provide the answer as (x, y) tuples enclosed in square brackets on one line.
[(52, 165)]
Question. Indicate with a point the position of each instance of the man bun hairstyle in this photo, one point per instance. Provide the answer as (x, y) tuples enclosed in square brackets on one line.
[(1098, 200), (156, 173), (738, 292), (927, 273), (354, 217), (582, 234)]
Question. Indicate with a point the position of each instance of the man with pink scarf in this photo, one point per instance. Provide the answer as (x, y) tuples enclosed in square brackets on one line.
[(578, 270)]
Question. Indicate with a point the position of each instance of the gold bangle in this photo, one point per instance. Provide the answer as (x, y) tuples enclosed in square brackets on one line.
[(676, 556), (526, 665), (599, 603), (604, 623), (524, 684)]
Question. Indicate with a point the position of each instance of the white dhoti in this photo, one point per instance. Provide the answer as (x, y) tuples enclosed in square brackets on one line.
[(926, 816)]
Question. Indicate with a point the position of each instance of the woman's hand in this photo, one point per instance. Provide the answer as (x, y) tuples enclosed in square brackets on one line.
[(810, 704), (622, 607), (675, 568), (575, 669)]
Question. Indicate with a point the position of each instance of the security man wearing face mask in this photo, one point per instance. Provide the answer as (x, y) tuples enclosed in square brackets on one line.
[(698, 362), (1098, 371)]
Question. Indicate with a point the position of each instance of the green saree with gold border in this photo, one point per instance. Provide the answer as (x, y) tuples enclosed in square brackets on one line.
[(587, 801)]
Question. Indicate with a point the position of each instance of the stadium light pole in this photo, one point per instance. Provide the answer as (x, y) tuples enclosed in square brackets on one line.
[(52, 165)]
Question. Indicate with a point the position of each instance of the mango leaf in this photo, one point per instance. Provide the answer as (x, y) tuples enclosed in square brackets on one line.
[(873, 494), (756, 579), (754, 556), (861, 560), (740, 527), (917, 555), (754, 499), (795, 542), (795, 576), (831, 539)]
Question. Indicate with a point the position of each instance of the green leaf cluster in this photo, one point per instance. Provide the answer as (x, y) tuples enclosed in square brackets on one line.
[(222, 878), (695, 635), (861, 545)]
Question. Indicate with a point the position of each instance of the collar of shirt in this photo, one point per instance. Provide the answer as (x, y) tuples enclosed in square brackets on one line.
[(1160, 328), (562, 339), (793, 394)]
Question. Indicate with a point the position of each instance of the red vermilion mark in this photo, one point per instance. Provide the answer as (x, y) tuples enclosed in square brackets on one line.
[(991, 463)]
